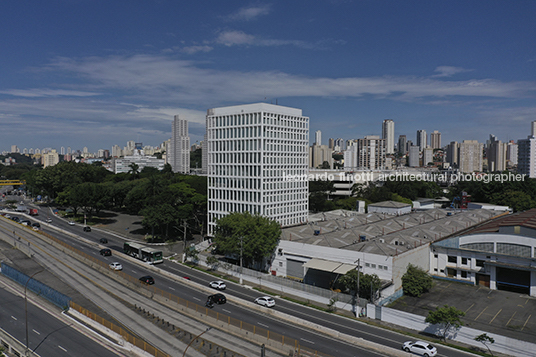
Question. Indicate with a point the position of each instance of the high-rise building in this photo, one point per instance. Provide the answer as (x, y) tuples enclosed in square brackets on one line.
[(371, 152), (496, 155), (470, 156), (350, 158), (533, 128), (319, 155), (511, 154), (62, 150), (388, 134), (414, 156), (435, 140), (421, 139), (253, 152), (179, 155), (526, 156), (427, 156), (452, 154), (331, 143), (339, 145), (14, 149), (318, 137), (51, 158), (402, 140), (116, 151)]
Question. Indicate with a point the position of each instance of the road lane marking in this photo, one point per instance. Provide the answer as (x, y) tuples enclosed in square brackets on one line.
[(511, 318), (311, 342), (497, 314), (170, 288), (526, 322), (481, 312), (37, 332), (227, 311), (62, 348), (14, 318), (263, 325), (196, 298), (469, 308)]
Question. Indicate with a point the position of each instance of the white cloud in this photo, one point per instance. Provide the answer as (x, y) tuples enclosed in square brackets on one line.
[(44, 92), (230, 38), (195, 49), (249, 13), (449, 71)]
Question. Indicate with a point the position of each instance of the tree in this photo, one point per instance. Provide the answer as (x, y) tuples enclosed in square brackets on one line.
[(416, 281), (213, 262), (256, 235), (368, 283), (485, 339), (448, 317)]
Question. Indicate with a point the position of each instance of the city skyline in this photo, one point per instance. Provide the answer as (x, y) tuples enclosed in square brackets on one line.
[(124, 69)]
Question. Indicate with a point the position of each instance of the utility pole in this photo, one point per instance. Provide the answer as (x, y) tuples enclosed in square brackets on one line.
[(184, 239), (241, 251)]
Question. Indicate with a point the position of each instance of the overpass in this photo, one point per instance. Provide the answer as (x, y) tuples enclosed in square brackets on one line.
[(12, 182)]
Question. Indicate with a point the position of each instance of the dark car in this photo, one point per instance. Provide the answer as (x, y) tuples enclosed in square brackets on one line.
[(103, 240), (106, 252), (87, 229), (15, 218), (36, 224), (217, 299), (147, 280)]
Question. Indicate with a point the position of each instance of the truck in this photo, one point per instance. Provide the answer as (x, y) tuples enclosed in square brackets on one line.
[(32, 212)]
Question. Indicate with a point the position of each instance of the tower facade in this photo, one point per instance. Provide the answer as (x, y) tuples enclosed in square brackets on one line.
[(179, 155), (388, 134), (253, 152), (318, 137), (435, 140), (421, 139)]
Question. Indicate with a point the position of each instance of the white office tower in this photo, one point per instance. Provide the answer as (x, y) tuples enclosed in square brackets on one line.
[(257, 162), (526, 156), (388, 133), (533, 128), (422, 139), (414, 156), (496, 155), (318, 137), (179, 156), (511, 154), (470, 153), (435, 140), (350, 158)]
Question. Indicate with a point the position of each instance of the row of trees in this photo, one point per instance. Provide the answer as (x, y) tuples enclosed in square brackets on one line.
[(165, 200)]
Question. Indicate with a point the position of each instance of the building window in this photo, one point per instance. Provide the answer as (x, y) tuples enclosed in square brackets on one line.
[(280, 264), (479, 263), (367, 265), (373, 266), (435, 256), (464, 274), (464, 261), (452, 259), (435, 269)]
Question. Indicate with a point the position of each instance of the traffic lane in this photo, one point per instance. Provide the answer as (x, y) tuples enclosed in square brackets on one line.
[(47, 335)]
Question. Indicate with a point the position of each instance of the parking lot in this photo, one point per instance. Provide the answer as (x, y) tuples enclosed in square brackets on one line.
[(501, 312)]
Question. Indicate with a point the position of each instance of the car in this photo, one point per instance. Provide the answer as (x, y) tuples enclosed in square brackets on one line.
[(87, 229), (71, 223), (147, 279), (15, 218), (422, 348), (103, 241), (106, 252), (25, 222), (48, 220), (36, 224), (218, 284), (217, 299), (116, 266), (267, 301)]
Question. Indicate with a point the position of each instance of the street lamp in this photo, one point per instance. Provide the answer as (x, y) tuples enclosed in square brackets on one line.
[(26, 308), (195, 338), (241, 251)]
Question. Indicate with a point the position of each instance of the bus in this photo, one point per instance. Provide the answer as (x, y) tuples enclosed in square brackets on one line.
[(150, 255)]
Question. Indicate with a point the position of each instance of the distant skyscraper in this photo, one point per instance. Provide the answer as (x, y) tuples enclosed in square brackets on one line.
[(388, 134), (179, 156), (252, 150), (414, 156), (339, 145), (421, 139), (51, 158), (402, 140), (470, 156), (62, 150), (331, 143), (318, 137), (452, 154), (533, 128), (496, 155), (371, 152), (14, 149), (511, 154), (526, 156), (69, 150), (435, 140)]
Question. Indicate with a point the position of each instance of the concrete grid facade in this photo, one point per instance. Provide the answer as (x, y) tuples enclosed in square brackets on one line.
[(251, 151)]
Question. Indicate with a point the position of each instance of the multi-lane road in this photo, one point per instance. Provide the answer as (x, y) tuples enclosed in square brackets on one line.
[(186, 290)]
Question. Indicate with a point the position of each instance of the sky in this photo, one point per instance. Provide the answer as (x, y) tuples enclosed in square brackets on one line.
[(92, 73)]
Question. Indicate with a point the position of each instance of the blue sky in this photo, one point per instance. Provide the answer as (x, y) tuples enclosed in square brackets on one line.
[(98, 73)]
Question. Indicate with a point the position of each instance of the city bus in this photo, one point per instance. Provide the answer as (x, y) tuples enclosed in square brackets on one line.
[(150, 255)]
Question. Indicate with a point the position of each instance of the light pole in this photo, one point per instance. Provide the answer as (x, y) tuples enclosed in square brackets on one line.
[(26, 308), (357, 288), (195, 338), (241, 251)]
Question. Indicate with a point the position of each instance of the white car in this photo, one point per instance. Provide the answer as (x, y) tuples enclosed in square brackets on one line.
[(71, 223), (116, 266), (267, 301), (49, 220), (422, 348), (218, 284)]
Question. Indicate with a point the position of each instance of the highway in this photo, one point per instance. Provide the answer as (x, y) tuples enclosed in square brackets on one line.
[(183, 289)]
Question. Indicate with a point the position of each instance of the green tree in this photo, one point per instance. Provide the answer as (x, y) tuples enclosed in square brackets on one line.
[(213, 262), (485, 339), (134, 170), (517, 200), (448, 317), (369, 284), (257, 235), (416, 281)]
